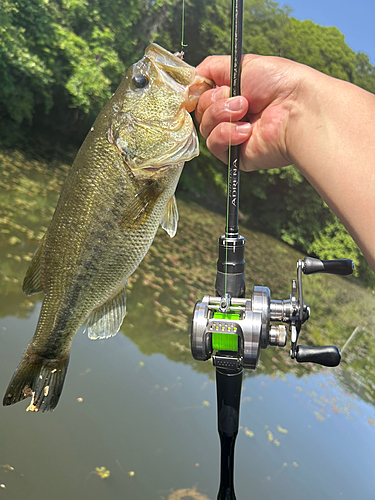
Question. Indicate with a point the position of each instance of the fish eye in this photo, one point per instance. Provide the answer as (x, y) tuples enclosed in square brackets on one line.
[(140, 81)]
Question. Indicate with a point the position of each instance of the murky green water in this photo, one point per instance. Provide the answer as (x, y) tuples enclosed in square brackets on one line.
[(139, 403)]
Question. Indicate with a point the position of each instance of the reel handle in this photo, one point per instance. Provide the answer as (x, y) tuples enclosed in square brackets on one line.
[(328, 355), (343, 267)]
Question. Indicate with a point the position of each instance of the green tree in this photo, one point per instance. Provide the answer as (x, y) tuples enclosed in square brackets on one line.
[(64, 58)]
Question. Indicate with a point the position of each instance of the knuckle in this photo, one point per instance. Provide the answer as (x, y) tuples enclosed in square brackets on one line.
[(222, 131), (202, 131)]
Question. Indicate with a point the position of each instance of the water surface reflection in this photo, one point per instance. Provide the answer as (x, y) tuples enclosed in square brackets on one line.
[(140, 403)]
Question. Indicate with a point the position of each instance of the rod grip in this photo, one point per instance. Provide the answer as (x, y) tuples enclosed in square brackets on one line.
[(328, 355)]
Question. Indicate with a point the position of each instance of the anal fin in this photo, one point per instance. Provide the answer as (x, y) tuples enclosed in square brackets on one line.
[(33, 279), (170, 218), (106, 320)]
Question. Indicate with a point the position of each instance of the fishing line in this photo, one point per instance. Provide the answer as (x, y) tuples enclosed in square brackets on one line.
[(182, 30), (234, 151), (228, 196), (229, 163)]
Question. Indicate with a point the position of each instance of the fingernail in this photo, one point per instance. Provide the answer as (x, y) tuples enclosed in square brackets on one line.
[(243, 128), (234, 104)]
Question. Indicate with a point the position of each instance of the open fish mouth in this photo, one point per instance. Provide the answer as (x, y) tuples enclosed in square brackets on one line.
[(181, 72), (196, 89)]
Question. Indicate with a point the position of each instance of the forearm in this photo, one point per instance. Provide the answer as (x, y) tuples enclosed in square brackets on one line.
[(331, 138)]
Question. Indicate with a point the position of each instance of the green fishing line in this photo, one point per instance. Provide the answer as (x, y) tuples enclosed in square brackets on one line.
[(183, 29), (229, 154)]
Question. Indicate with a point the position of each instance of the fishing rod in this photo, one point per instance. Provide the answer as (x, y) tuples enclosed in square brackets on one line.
[(232, 329)]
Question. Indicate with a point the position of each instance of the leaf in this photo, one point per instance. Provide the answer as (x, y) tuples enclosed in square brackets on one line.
[(102, 472)]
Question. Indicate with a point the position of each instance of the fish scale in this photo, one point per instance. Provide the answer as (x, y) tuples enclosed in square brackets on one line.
[(119, 190)]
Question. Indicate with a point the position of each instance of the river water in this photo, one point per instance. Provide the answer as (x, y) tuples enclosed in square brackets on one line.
[(139, 408)]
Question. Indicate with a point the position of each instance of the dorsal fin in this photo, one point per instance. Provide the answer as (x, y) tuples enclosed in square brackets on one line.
[(33, 279)]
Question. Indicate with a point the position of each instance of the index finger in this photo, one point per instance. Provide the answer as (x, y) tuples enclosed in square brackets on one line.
[(216, 68)]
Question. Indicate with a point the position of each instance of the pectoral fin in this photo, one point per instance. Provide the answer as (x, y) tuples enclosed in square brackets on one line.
[(141, 207), (170, 218), (33, 279), (106, 321)]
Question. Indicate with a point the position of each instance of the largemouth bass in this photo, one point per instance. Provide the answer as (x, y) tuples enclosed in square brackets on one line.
[(119, 190)]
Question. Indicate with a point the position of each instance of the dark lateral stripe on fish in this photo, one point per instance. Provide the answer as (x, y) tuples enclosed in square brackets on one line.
[(42, 381)]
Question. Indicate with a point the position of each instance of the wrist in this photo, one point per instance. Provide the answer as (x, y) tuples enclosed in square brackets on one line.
[(308, 116)]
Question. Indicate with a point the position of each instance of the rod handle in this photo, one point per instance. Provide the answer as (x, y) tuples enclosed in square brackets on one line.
[(328, 355), (343, 267)]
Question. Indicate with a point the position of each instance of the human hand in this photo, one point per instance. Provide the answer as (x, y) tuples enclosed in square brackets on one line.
[(291, 113), (259, 120)]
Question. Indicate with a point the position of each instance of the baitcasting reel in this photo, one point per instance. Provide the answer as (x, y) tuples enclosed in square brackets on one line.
[(233, 330)]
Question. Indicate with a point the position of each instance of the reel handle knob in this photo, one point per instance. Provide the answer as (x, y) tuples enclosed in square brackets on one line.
[(343, 267), (328, 355)]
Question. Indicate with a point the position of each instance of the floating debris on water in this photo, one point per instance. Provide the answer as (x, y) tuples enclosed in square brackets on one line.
[(319, 416), (31, 406), (281, 430), (102, 472), (248, 432), (7, 467), (271, 437), (187, 494), (206, 403), (131, 473)]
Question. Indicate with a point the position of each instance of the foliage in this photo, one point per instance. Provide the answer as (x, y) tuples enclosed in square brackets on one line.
[(334, 242), (208, 27), (300, 211), (322, 48), (205, 175), (63, 55)]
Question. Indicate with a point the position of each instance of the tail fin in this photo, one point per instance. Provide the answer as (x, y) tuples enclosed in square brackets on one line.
[(40, 379)]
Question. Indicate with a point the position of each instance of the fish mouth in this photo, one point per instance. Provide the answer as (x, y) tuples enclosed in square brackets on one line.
[(181, 72), (196, 89), (175, 67)]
